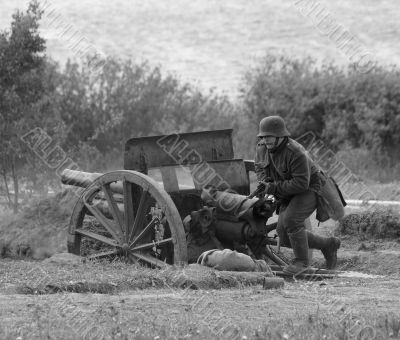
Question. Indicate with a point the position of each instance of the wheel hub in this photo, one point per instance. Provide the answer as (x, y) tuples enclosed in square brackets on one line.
[(112, 219), (125, 247)]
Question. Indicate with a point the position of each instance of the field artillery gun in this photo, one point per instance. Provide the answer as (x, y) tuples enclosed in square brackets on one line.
[(138, 213)]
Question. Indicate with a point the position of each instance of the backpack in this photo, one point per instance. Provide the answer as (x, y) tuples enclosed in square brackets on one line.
[(330, 201)]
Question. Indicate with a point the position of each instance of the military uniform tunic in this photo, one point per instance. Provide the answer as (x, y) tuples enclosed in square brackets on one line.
[(295, 181)]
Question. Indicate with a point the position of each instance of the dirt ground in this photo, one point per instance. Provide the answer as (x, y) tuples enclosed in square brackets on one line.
[(361, 305), (299, 310), (367, 306)]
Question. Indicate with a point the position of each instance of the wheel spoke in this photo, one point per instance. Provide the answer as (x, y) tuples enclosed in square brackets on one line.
[(97, 237), (145, 230), (111, 219), (150, 260), (140, 214), (128, 208), (151, 245), (132, 259), (102, 206), (103, 220), (102, 254), (112, 205)]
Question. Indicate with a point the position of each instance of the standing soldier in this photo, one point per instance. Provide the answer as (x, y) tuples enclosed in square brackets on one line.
[(286, 171)]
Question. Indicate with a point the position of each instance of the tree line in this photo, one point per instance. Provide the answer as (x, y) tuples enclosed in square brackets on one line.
[(90, 116)]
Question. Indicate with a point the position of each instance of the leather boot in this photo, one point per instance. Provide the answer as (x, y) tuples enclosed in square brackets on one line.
[(328, 246), (299, 244)]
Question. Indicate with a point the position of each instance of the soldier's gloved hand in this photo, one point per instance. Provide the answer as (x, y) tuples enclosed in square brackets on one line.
[(262, 188), (267, 187)]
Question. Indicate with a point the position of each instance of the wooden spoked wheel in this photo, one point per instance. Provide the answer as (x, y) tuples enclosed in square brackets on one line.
[(128, 215)]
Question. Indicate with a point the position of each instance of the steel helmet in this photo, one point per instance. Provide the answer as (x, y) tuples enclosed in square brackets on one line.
[(273, 126)]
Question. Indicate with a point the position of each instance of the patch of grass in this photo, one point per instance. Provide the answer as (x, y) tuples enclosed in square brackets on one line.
[(351, 263), (299, 311), (117, 324), (30, 277), (377, 223), (39, 230)]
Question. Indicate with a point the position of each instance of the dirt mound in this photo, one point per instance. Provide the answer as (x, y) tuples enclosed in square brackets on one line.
[(95, 278), (39, 230), (377, 262), (63, 258), (381, 262), (370, 241), (367, 255)]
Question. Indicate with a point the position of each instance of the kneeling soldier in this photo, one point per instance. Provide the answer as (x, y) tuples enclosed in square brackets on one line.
[(295, 181)]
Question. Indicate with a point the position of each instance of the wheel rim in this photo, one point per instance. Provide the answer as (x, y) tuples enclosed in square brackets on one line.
[(129, 215)]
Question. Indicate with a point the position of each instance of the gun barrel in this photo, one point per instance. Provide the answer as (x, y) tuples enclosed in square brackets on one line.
[(78, 178), (84, 179)]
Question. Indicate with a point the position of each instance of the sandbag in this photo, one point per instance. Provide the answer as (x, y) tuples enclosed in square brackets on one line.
[(231, 260), (197, 246)]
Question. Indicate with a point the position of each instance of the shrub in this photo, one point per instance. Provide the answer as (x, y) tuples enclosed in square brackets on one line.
[(39, 230), (342, 107), (376, 223)]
